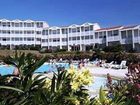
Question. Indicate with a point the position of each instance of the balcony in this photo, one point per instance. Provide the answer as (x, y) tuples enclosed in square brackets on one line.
[(126, 41), (100, 40), (113, 38)]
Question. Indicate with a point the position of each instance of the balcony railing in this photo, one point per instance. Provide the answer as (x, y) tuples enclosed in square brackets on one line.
[(113, 38)]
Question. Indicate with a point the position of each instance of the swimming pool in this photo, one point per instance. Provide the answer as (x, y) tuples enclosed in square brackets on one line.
[(7, 69), (97, 81)]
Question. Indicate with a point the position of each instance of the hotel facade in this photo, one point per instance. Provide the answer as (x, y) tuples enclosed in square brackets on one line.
[(74, 37)]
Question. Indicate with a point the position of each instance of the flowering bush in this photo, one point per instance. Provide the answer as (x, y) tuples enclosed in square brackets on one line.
[(79, 78), (128, 88), (68, 87)]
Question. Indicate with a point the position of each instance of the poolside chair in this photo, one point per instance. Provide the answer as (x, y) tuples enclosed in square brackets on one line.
[(107, 65), (121, 66)]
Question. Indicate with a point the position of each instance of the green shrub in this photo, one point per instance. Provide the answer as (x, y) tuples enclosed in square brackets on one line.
[(115, 48)]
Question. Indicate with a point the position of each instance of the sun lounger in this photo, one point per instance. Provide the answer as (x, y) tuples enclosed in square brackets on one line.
[(107, 65), (121, 66)]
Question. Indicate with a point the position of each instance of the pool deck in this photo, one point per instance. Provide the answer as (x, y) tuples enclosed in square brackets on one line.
[(100, 71)]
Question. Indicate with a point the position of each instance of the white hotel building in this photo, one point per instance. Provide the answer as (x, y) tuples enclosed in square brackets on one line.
[(73, 37)]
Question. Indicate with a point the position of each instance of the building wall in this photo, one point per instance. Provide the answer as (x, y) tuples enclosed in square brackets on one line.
[(19, 32), (73, 37)]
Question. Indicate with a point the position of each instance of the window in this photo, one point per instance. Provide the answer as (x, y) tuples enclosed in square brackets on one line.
[(16, 32), (70, 38), (64, 39), (45, 32), (25, 39), (123, 34), (32, 24), (73, 30), (73, 38), (86, 28), (44, 40), (39, 24), (21, 39), (82, 37), (12, 24), (30, 39), (50, 31), (16, 39), (96, 35), (28, 24), (104, 33), (38, 32), (32, 32), (56, 40), (78, 29), (29, 32), (129, 32), (116, 32), (58, 31), (17, 24), (91, 36), (64, 31), (12, 39), (82, 29), (4, 31), (21, 25), (78, 37), (8, 39), (3, 39), (4, 24), (25, 24), (91, 27), (86, 37), (8, 24), (20, 32), (69, 30), (54, 31), (109, 33), (101, 35), (136, 33), (50, 40), (38, 39), (12, 32)]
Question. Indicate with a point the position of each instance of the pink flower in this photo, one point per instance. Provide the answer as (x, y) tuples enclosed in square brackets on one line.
[(138, 98), (137, 85)]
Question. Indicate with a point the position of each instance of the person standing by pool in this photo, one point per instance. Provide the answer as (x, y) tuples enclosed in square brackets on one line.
[(81, 65), (109, 79), (16, 72)]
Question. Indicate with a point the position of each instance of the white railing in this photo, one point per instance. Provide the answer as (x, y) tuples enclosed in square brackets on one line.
[(113, 38), (136, 40)]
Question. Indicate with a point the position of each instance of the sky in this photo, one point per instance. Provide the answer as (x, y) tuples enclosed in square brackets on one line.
[(66, 12)]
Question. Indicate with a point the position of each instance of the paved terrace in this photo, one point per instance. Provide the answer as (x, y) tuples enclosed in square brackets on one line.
[(100, 71)]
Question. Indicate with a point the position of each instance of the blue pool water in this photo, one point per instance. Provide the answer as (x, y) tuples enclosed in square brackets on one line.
[(97, 81), (4, 69), (52, 67)]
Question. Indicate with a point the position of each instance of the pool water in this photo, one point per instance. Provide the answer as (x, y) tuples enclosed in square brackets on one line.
[(4, 69), (51, 67), (97, 81), (7, 69)]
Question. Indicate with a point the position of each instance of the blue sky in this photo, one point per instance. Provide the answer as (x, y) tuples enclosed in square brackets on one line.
[(67, 12)]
